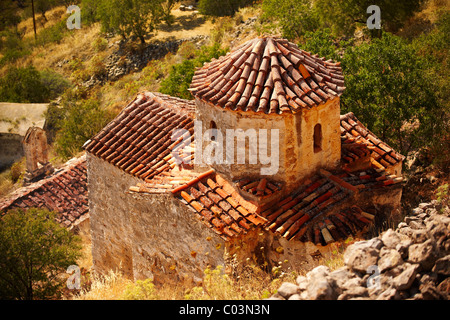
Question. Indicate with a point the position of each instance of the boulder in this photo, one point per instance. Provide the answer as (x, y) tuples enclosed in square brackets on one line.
[(354, 292), (389, 258), (302, 283), (390, 238), (361, 255), (389, 294), (442, 266), (287, 289), (423, 254), (405, 279)]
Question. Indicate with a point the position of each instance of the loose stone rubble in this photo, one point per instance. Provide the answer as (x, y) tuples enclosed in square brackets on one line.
[(411, 262)]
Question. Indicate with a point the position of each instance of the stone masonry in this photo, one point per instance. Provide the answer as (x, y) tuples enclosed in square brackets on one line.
[(411, 262)]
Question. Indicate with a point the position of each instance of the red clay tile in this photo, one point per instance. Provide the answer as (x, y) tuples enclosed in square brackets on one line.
[(271, 58), (65, 192)]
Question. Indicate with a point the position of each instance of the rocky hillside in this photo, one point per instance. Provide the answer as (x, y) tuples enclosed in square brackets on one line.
[(411, 262)]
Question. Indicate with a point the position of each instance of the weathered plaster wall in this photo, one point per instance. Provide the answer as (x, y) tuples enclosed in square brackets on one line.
[(169, 243), (145, 236), (226, 119), (297, 159), (109, 220), (328, 116)]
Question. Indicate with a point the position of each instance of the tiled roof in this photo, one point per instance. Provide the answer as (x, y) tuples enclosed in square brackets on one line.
[(139, 139), (308, 209), (218, 205), (261, 188), (303, 215), (359, 142), (64, 192), (269, 75)]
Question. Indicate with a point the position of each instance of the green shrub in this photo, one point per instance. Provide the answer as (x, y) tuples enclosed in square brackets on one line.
[(221, 8), (54, 82), (140, 290), (12, 54), (35, 251), (23, 85), (180, 75), (16, 171), (81, 121)]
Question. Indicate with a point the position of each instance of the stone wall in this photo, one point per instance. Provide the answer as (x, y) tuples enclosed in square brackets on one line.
[(411, 262), (297, 159), (310, 161), (124, 60), (145, 236)]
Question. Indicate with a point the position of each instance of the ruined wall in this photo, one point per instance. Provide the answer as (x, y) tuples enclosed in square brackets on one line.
[(10, 149), (169, 243), (272, 250), (145, 236)]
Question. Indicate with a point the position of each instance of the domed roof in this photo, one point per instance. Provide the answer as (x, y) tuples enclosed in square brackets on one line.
[(269, 75)]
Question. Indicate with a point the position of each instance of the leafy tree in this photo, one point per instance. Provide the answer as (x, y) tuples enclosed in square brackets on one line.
[(388, 88), (23, 85), (434, 48), (342, 17), (81, 121), (34, 251), (294, 17), (130, 17), (180, 76), (322, 43), (89, 9), (221, 8)]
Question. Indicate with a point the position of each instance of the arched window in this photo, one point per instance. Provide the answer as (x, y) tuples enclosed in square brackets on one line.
[(213, 127), (317, 138)]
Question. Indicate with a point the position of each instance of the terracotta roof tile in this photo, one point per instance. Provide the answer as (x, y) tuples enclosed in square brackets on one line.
[(358, 142), (268, 75), (305, 214), (222, 211), (308, 210), (138, 140), (261, 188), (64, 192)]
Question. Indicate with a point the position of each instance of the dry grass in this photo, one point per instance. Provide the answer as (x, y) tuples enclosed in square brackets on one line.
[(216, 285), (249, 284), (53, 16)]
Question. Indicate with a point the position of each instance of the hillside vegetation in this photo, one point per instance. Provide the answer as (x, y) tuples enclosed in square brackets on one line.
[(397, 82)]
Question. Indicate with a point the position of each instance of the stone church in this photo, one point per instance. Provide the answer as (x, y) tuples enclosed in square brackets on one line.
[(260, 166)]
